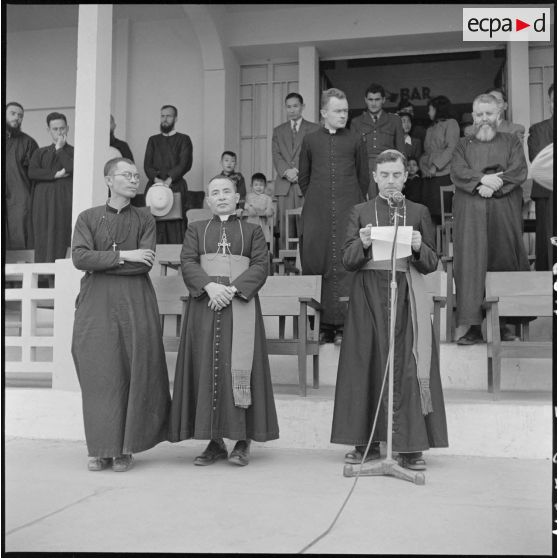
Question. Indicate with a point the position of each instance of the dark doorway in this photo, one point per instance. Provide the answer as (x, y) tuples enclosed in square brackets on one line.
[(460, 76)]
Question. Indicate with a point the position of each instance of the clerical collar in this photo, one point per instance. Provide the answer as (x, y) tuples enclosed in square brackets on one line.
[(114, 210), (222, 218), (171, 133), (332, 132)]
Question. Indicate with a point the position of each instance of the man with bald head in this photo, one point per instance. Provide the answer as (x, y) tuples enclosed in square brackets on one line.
[(222, 385), (487, 168)]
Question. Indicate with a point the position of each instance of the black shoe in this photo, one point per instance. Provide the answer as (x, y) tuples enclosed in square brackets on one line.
[(472, 336), (215, 450), (326, 336), (240, 455), (355, 457), (338, 339)]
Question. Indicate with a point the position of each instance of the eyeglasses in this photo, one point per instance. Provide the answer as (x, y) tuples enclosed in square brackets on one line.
[(128, 175)]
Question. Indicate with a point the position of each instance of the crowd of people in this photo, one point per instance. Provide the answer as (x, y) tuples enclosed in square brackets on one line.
[(345, 180)]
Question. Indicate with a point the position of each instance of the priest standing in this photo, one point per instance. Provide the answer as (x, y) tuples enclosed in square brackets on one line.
[(487, 168), (222, 385), (168, 157), (19, 149), (117, 341), (419, 418), (52, 169), (333, 177)]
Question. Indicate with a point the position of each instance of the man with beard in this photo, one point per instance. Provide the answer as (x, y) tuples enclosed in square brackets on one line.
[(168, 157), (487, 168), (19, 148), (333, 176)]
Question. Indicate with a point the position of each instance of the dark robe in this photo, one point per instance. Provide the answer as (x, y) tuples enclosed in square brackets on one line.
[(52, 201), (202, 404), (413, 189), (364, 352), (540, 135), (19, 228), (169, 156), (117, 342), (487, 232), (122, 146), (333, 177)]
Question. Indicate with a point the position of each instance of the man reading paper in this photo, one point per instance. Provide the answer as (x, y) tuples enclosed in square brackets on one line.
[(419, 419)]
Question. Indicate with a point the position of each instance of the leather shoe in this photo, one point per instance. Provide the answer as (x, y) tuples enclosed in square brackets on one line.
[(122, 463), (338, 339), (215, 450), (472, 336), (240, 455), (98, 463)]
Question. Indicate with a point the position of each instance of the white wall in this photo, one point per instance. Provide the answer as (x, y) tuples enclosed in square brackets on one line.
[(164, 67)]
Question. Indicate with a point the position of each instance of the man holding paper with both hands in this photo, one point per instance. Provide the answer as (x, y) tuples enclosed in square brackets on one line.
[(419, 420)]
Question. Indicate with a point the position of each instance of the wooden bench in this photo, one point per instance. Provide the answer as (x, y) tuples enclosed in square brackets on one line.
[(299, 297), (166, 255), (171, 293), (515, 294)]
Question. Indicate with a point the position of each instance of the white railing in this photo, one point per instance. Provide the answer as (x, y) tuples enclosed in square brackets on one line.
[(29, 325)]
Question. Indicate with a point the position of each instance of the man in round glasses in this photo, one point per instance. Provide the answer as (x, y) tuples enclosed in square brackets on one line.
[(117, 340)]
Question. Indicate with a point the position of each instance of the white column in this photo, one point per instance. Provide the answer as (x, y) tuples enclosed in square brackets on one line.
[(308, 81), (518, 83), (120, 77), (93, 92)]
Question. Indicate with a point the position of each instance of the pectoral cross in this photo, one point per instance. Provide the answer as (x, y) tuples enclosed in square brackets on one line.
[(114, 246), (224, 244)]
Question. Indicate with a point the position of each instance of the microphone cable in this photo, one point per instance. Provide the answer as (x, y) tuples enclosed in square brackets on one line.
[(391, 348), (328, 530)]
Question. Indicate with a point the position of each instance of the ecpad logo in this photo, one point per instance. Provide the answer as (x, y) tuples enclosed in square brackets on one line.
[(506, 24)]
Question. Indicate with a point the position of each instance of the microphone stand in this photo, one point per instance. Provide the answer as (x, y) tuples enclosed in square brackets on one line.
[(388, 466)]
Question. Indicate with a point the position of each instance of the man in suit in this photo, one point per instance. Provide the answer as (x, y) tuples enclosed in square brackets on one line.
[(378, 130), (285, 147), (540, 135)]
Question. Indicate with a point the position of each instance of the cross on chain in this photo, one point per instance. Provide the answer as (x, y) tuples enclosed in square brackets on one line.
[(224, 244)]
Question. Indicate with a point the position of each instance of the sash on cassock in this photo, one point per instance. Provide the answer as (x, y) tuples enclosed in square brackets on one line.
[(422, 327), (244, 324)]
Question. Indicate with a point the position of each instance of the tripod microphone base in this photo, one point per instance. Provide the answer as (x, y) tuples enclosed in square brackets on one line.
[(385, 467)]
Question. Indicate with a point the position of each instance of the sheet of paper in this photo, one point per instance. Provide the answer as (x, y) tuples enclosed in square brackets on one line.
[(382, 241)]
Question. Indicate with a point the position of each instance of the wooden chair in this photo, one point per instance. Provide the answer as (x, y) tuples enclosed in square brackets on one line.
[(291, 242), (170, 292), (297, 297), (515, 294), (167, 255)]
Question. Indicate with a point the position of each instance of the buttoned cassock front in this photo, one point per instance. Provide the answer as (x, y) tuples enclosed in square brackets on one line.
[(333, 178)]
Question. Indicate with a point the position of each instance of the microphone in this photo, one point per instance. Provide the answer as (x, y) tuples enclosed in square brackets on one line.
[(396, 199)]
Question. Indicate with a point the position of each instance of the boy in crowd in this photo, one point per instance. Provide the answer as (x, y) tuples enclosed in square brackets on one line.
[(228, 163), (258, 208), (413, 186)]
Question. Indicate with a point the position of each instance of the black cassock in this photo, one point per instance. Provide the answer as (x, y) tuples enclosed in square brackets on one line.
[(52, 201), (117, 342), (169, 156), (333, 177), (19, 229), (487, 232), (364, 352), (202, 404)]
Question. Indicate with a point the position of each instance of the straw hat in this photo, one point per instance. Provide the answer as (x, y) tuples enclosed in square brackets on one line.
[(160, 199)]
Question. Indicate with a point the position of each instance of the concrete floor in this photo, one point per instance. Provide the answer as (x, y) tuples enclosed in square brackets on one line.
[(278, 504)]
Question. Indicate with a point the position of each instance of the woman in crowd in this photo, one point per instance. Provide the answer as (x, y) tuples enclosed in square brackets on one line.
[(441, 138)]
